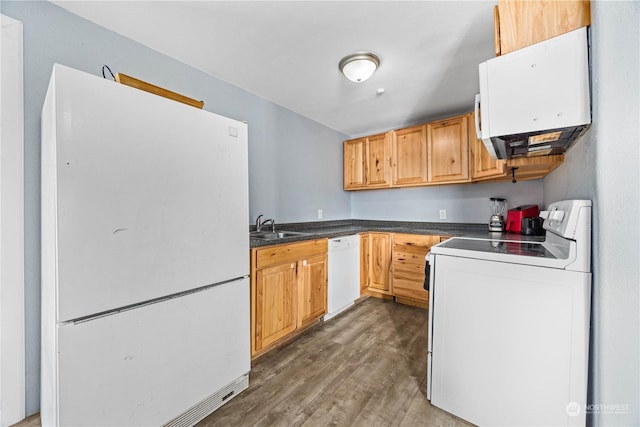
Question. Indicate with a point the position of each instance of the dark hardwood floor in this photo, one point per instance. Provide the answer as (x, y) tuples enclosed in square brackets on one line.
[(366, 367)]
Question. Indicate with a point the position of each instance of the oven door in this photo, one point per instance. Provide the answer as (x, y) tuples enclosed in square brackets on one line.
[(508, 343)]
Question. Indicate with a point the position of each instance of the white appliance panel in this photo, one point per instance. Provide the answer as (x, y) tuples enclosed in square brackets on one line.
[(123, 369), (344, 274), (152, 195), (556, 93), (497, 326)]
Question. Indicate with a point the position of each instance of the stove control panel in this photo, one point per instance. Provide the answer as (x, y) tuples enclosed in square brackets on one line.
[(568, 218)]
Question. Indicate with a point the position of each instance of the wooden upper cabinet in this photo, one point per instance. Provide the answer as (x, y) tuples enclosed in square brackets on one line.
[(354, 164), (520, 23), (409, 156), (448, 150), (442, 152), (367, 162), (496, 30), (526, 168), (378, 160), (483, 166)]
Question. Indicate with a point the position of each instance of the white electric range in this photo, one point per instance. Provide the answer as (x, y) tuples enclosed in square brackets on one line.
[(508, 326)]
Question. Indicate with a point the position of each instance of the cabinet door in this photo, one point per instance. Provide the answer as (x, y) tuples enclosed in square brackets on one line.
[(365, 249), (378, 163), (312, 289), (276, 304), (408, 264), (410, 156), (448, 150), (354, 153), (483, 166), (380, 263), (523, 23)]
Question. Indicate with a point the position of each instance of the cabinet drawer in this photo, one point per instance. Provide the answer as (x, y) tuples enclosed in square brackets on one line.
[(409, 290), (409, 255), (409, 251), (409, 271), (415, 240), (289, 252)]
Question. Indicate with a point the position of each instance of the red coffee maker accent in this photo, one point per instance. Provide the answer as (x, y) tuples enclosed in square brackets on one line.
[(515, 215)]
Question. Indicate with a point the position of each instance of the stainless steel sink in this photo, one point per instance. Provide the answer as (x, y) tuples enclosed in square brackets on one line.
[(267, 235)]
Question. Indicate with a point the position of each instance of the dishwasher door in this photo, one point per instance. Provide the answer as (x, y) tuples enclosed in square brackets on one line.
[(344, 274)]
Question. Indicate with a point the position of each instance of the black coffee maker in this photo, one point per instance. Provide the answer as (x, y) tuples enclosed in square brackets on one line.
[(532, 226)]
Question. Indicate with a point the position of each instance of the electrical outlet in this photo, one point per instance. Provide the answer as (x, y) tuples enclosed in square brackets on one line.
[(443, 214), (320, 213)]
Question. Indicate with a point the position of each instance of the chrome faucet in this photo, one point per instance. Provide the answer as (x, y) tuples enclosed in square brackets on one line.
[(259, 224), (273, 224)]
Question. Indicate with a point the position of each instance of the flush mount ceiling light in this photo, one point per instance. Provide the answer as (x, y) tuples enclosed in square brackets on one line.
[(359, 66)]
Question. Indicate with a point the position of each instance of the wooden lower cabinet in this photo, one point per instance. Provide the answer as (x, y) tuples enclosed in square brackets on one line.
[(409, 251), (312, 289), (392, 266), (288, 291), (380, 264), (365, 249), (276, 300)]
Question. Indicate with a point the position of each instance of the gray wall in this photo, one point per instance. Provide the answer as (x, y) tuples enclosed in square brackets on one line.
[(604, 167), (295, 163), (463, 203)]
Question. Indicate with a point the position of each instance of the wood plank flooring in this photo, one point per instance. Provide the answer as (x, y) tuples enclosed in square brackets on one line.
[(365, 367)]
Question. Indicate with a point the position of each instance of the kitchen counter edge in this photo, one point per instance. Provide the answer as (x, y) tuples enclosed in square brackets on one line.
[(331, 229)]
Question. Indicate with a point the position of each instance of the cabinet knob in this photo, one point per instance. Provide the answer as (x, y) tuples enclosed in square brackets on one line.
[(304, 262)]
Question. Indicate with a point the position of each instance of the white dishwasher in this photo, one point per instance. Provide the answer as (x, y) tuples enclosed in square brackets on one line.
[(344, 274)]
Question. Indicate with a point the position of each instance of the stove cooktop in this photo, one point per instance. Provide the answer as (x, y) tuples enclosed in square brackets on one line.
[(532, 249)]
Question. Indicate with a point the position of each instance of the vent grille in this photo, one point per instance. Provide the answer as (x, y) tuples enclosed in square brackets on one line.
[(208, 405)]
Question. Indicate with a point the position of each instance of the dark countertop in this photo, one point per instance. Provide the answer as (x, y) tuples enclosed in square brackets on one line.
[(330, 229)]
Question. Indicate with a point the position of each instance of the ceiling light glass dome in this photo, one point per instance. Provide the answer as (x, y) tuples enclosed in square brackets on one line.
[(359, 66)]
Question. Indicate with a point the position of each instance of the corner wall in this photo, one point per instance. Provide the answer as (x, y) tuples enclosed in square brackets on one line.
[(604, 167)]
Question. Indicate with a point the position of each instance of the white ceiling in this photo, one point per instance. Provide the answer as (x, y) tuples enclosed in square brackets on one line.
[(288, 52)]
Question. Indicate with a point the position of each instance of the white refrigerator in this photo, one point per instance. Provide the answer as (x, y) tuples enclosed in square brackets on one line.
[(145, 256)]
